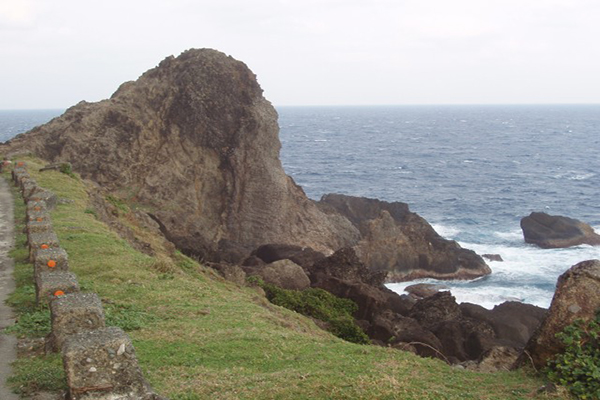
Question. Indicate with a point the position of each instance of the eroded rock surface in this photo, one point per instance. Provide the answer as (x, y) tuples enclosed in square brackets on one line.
[(577, 296), (194, 142), (398, 241), (551, 231)]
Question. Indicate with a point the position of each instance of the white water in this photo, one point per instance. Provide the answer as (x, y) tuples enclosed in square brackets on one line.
[(527, 274)]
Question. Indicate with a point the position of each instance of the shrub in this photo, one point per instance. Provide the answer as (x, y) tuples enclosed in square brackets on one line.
[(578, 368), (66, 169), (317, 303)]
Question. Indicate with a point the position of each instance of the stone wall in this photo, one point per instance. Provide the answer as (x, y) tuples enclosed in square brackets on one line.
[(99, 361)]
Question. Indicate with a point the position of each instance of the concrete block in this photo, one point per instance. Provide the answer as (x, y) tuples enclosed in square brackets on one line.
[(52, 259), (19, 175), (75, 313), (101, 364), (34, 208), (38, 240), (38, 215), (18, 169), (28, 186), (39, 226), (48, 284), (44, 195)]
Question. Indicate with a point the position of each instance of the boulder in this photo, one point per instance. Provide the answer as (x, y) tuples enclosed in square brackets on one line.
[(513, 322), (496, 359), (577, 296), (345, 265), (232, 273), (285, 274), (422, 290), (401, 243), (303, 256), (550, 231), (493, 257)]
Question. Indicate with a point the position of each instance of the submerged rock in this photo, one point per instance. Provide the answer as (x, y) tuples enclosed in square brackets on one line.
[(550, 231)]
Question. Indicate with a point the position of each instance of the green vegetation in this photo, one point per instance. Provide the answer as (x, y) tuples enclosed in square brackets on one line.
[(199, 337), (578, 368), (66, 169), (319, 304)]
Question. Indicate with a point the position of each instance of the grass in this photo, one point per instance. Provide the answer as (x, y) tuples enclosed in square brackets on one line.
[(197, 336)]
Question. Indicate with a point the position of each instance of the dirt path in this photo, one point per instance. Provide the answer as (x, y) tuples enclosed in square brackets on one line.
[(8, 344)]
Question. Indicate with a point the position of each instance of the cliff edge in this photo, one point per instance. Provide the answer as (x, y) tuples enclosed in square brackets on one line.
[(194, 143)]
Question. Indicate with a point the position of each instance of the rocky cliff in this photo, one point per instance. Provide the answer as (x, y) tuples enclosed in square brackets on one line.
[(194, 143)]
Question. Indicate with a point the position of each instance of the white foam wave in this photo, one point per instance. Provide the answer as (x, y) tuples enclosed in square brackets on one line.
[(512, 236), (581, 177), (447, 232), (527, 274)]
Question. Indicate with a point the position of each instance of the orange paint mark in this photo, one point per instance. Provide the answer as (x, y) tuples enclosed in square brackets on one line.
[(37, 208), (20, 164), (39, 219), (52, 263), (59, 293), (44, 246)]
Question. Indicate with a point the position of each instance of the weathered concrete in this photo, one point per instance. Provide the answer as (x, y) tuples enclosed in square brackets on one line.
[(75, 313), (38, 240), (50, 260), (8, 343), (46, 196), (39, 226), (101, 364), (48, 283)]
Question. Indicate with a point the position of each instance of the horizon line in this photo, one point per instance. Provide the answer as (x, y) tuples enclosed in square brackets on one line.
[(364, 105)]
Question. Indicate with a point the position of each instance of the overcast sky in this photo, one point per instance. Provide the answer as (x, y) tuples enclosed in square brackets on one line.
[(54, 53)]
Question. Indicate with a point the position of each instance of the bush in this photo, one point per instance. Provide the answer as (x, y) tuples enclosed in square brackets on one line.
[(66, 169), (320, 304), (578, 368)]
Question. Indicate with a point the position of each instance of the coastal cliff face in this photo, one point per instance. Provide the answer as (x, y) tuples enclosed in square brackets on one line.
[(398, 241), (194, 143)]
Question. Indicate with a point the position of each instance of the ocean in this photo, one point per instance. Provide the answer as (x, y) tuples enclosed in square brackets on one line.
[(471, 171)]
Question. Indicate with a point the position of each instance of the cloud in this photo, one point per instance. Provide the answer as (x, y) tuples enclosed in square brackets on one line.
[(311, 52), (17, 14)]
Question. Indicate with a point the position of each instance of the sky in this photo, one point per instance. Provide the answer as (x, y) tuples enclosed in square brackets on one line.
[(55, 53)]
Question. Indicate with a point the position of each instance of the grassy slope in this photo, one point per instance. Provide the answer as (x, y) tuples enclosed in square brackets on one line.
[(199, 337)]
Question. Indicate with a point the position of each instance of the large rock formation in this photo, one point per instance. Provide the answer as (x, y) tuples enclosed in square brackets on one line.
[(577, 296), (403, 243), (550, 231), (435, 326), (195, 144)]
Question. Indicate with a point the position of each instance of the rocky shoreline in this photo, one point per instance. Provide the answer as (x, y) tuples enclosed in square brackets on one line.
[(194, 145)]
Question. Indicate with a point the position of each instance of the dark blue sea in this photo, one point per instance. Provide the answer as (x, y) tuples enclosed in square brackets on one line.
[(472, 171)]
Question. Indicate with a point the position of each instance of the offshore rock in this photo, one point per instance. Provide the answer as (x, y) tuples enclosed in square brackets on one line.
[(550, 231), (402, 243), (577, 296), (194, 142)]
